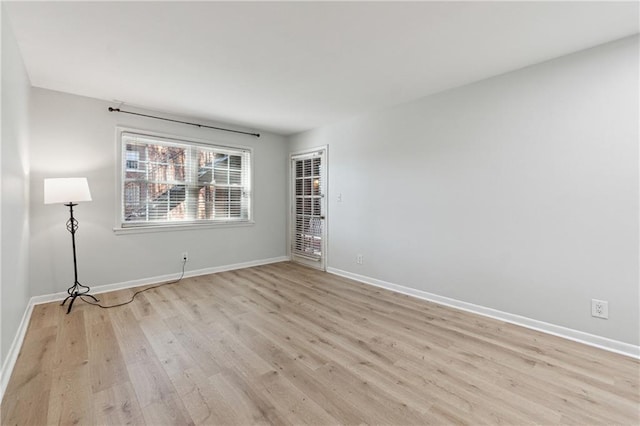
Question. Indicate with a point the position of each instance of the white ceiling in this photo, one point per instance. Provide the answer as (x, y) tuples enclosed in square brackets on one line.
[(287, 67)]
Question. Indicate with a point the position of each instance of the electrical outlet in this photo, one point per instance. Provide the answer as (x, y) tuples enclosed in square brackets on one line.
[(359, 259), (599, 308), (185, 256)]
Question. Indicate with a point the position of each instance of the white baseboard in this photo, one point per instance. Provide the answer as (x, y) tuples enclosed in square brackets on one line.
[(556, 330), (14, 350), (16, 345), (37, 300)]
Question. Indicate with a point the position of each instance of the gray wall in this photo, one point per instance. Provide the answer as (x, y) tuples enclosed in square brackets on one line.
[(75, 136), (517, 193), (14, 172)]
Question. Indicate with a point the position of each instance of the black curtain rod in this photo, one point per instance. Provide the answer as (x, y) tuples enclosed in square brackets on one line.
[(257, 135)]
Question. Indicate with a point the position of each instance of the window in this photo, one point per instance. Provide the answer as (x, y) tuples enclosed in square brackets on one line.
[(132, 158), (167, 181)]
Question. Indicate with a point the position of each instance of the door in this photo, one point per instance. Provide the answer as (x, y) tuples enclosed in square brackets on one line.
[(308, 207)]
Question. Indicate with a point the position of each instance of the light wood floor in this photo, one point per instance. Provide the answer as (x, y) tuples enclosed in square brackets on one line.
[(283, 344)]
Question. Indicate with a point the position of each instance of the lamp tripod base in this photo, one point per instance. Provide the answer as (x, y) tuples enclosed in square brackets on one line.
[(75, 291)]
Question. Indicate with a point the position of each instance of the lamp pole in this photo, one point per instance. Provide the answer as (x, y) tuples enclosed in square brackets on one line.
[(77, 289)]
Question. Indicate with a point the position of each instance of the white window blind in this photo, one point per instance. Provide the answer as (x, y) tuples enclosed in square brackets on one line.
[(167, 181)]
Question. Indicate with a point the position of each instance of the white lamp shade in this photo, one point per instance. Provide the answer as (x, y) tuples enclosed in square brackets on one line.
[(66, 190)]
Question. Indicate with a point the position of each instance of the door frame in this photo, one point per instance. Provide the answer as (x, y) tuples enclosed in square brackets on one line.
[(324, 189)]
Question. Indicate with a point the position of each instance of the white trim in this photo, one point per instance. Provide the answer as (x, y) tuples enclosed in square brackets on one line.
[(121, 129), (180, 227), (14, 350), (37, 300), (16, 345), (323, 261), (556, 330)]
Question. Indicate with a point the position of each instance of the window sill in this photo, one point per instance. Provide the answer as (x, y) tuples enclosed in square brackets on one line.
[(145, 229)]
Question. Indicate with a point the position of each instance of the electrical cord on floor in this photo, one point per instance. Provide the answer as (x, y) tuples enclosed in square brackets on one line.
[(184, 262)]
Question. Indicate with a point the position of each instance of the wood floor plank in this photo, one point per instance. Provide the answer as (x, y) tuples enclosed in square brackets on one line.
[(223, 347), (201, 350), (297, 407), (117, 405), (173, 357), (29, 388), (66, 404), (133, 343), (159, 401), (251, 398), (285, 344), (44, 316), (107, 366), (203, 398), (72, 343), (143, 308), (303, 378), (381, 407), (298, 344)]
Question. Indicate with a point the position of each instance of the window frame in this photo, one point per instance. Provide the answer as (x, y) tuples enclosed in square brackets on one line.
[(123, 227)]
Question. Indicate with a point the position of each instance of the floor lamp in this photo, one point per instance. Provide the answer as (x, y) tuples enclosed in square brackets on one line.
[(70, 191)]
